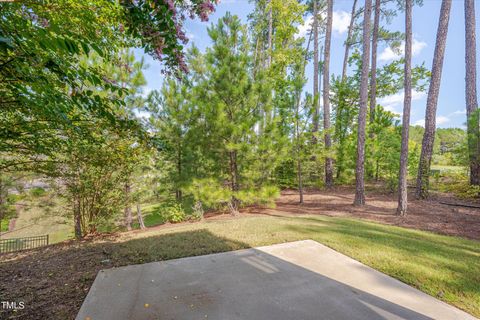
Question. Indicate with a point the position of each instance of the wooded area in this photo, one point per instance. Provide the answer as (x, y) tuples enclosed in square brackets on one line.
[(232, 125)]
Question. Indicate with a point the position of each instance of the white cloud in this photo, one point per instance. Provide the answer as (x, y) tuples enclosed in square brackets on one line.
[(420, 123), (390, 103), (459, 112), (340, 23), (440, 120), (389, 54), (303, 29), (142, 114)]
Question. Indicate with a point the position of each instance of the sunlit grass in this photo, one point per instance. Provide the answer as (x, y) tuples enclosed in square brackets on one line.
[(40, 216), (445, 267)]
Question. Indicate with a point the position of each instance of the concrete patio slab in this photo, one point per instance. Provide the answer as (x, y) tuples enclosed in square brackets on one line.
[(296, 280)]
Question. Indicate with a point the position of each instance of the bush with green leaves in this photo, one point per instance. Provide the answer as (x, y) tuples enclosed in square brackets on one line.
[(264, 196), (175, 213), (458, 184), (37, 192), (197, 211), (210, 193)]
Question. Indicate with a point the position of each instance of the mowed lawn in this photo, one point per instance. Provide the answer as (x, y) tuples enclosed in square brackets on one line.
[(445, 267)]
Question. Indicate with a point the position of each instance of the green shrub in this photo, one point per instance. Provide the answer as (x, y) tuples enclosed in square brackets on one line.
[(457, 183), (4, 225), (264, 196), (463, 190), (175, 213), (197, 211), (37, 192), (210, 193)]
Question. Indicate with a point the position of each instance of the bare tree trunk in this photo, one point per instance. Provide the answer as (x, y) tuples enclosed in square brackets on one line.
[(402, 178), (233, 170), (431, 110), (234, 203), (326, 96), (373, 73), (128, 209), (473, 125), (77, 218), (316, 101), (270, 34), (178, 192), (347, 42), (299, 160), (362, 114), (3, 200), (297, 127), (140, 217)]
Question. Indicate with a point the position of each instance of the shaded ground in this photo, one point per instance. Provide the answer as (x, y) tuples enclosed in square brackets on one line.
[(54, 281), (430, 215)]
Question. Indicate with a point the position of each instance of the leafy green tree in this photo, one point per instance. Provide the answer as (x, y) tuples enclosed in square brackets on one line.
[(173, 120), (42, 79)]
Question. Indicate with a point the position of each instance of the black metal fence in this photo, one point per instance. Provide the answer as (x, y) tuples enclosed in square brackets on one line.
[(17, 244)]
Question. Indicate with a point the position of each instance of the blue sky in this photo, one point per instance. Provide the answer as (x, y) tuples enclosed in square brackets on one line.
[(451, 102)]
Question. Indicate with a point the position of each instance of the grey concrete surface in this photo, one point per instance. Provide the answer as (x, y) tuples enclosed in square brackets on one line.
[(296, 280)]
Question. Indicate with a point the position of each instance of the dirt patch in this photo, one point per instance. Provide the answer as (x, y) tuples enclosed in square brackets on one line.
[(430, 215)]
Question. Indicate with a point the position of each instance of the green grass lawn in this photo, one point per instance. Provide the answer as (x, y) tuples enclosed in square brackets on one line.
[(445, 267), (40, 216), (157, 213), (447, 169), (152, 215)]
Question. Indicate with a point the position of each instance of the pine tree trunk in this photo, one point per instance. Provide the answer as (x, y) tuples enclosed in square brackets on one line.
[(347, 42), (402, 178), (3, 200), (326, 97), (234, 203), (373, 73), (299, 148), (431, 110), (339, 110), (140, 217), (233, 170), (362, 114), (178, 192), (316, 101), (77, 218), (473, 125), (297, 128), (128, 209)]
